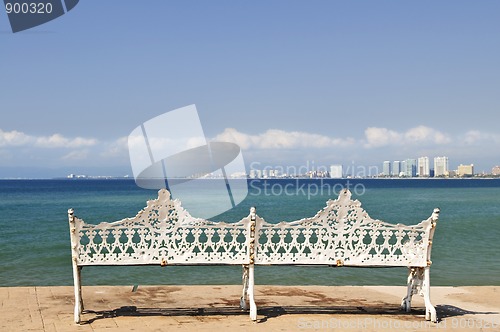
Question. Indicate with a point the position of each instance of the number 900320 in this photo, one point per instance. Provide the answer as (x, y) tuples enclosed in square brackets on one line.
[(28, 8)]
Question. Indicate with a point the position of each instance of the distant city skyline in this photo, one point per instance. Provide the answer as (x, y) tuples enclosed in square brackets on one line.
[(337, 171), (330, 82), (420, 167)]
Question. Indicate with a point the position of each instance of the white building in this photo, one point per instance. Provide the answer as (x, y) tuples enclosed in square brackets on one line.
[(396, 168), (441, 166), (336, 171), (423, 169), (402, 170), (386, 168), (410, 167)]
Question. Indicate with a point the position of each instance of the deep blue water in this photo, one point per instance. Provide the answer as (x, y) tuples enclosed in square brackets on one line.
[(35, 249)]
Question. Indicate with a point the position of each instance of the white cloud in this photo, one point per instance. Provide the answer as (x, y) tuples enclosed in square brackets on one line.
[(16, 138), (18, 148), (76, 155), (378, 137), (59, 141), (374, 137), (426, 134), (280, 139), (475, 136)]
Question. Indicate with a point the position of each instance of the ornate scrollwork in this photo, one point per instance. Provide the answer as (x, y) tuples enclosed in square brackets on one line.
[(343, 232), (162, 232), (165, 232)]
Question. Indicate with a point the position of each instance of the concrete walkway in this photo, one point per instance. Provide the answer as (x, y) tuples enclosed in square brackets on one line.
[(281, 308)]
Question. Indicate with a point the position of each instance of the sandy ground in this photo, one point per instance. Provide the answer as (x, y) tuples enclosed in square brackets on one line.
[(281, 308)]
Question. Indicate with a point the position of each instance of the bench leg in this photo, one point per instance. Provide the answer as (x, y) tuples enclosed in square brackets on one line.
[(430, 311), (244, 295), (80, 289), (406, 302), (415, 283), (253, 306), (78, 292), (419, 283)]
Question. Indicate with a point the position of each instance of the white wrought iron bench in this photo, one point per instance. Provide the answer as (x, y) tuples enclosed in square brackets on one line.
[(341, 234)]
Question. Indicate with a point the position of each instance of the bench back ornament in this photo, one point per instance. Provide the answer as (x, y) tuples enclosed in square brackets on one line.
[(341, 234)]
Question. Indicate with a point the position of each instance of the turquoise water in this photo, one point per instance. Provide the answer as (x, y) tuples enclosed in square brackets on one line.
[(35, 250)]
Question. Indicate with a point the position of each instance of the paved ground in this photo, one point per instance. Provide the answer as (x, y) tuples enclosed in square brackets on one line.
[(281, 308)]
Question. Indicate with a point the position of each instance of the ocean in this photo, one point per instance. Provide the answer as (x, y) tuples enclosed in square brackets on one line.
[(35, 245)]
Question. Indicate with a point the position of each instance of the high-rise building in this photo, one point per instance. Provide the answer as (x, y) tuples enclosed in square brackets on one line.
[(396, 168), (495, 170), (465, 170), (411, 167), (441, 166), (423, 167), (386, 168), (402, 170), (336, 171)]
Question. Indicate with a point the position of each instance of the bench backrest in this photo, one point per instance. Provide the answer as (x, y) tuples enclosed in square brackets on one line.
[(164, 233), (344, 234)]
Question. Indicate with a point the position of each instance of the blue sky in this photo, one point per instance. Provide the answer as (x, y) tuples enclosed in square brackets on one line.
[(291, 82)]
